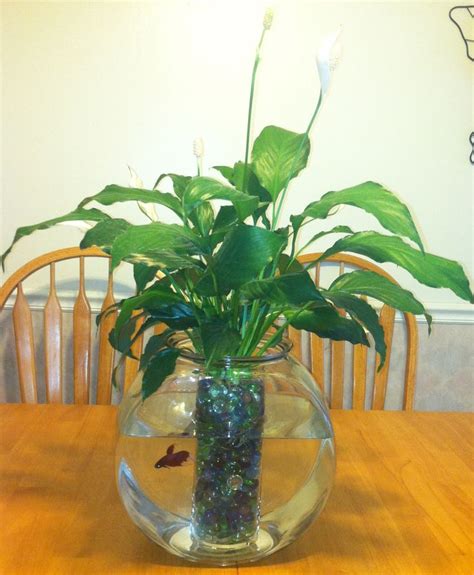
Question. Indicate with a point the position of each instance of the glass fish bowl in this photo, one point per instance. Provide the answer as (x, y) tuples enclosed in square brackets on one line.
[(228, 463)]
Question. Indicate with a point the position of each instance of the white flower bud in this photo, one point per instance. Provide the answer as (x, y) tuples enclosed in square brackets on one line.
[(198, 148), (268, 19), (136, 182)]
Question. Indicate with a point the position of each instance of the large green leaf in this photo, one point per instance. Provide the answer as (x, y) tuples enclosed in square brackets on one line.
[(334, 230), (246, 180), (176, 316), (104, 234), (362, 312), (245, 251), (79, 214), (179, 183), (326, 322), (113, 194), (365, 282), (278, 155), (287, 264), (158, 369), (154, 297), (202, 189), (218, 339), (155, 237), (371, 197), (154, 344), (143, 275), (225, 220), (203, 218), (290, 289), (122, 337), (164, 259), (431, 270)]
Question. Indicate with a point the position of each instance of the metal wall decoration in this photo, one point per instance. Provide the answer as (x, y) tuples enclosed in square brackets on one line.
[(463, 18)]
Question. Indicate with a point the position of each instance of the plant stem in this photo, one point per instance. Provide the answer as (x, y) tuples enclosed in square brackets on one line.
[(249, 115), (273, 339), (300, 148)]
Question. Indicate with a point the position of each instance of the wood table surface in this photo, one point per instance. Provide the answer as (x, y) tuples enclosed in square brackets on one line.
[(402, 501)]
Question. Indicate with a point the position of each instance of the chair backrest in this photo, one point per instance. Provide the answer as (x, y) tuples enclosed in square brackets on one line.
[(82, 340), (53, 334), (337, 349)]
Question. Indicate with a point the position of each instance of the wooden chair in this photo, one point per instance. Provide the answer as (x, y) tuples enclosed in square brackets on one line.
[(53, 336), (82, 340), (337, 349)]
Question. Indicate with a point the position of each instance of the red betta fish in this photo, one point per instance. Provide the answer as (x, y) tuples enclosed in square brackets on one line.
[(172, 459)]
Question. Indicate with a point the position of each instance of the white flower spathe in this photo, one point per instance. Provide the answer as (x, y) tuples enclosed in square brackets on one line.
[(328, 58), (136, 182)]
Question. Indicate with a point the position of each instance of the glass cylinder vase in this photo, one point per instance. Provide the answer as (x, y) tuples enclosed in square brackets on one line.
[(228, 462)]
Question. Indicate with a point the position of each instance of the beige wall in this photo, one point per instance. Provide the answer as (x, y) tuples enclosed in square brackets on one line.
[(89, 87)]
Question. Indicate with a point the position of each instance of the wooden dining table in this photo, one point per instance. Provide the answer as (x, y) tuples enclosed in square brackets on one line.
[(401, 504)]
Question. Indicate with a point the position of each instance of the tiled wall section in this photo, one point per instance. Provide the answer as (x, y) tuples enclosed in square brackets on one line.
[(445, 380)]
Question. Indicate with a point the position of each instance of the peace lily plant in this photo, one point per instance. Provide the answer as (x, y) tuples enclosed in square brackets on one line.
[(228, 275)]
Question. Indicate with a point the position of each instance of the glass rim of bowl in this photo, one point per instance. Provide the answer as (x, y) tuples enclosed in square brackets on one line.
[(182, 342)]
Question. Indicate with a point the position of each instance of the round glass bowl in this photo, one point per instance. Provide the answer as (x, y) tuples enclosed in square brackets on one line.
[(226, 464)]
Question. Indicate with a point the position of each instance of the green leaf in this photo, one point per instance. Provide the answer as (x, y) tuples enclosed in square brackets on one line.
[(279, 155), (252, 186), (121, 337), (227, 172), (245, 251), (139, 241), (371, 284), (157, 370), (143, 275), (326, 322), (78, 214), (362, 312), (335, 230), (104, 234), (286, 264), (202, 189), (428, 269), (113, 194), (153, 297), (392, 214), (176, 316), (218, 339), (154, 344), (225, 219), (179, 183), (295, 289), (107, 311), (164, 259), (203, 218)]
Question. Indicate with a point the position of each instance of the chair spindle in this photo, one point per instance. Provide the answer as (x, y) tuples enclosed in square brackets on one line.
[(132, 365), (106, 351), (53, 343), (387, 317), (82, 341), (317, 344), (25, 347), (337, 365)]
